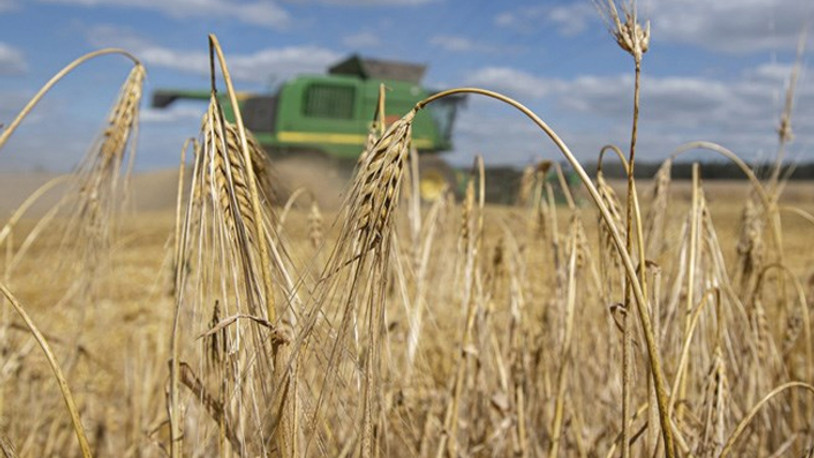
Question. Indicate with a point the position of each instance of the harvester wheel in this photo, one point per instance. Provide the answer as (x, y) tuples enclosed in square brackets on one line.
[(434, 177)]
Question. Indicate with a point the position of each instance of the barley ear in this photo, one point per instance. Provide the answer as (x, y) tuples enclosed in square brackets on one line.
[(630, 35)]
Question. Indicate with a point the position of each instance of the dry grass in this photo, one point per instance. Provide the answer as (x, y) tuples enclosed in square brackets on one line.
[(127, 347), (232, 327)]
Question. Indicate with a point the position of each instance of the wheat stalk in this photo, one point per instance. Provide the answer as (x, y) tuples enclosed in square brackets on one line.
[(361, 260), (227, 234), (638, 294), (469, 243), (55, 368), (565, 349), (657, 213)]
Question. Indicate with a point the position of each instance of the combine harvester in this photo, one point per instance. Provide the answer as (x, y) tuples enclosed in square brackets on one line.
[(322, 121)]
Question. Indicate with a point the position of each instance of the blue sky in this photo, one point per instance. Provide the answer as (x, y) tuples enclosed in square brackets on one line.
[(716, 70)]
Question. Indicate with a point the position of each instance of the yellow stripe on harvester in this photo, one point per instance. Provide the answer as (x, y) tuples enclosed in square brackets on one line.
[(343, 139)]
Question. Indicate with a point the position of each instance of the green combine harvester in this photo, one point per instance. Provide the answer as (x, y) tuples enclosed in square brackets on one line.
[(329, 116)]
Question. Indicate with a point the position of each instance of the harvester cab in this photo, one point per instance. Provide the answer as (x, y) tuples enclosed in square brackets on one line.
[(329, 116)]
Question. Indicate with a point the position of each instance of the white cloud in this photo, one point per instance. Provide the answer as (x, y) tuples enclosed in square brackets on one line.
[(12, 61), (7, 5), (171, 114), (569, 20), (505, 19), (454, 43), (262, 13), (364, 39), (282, 62), (255, 67), (675, 100), (670, 98), (363, 2), (732, 26), (773, 72), (501, 137), (741, 112), (739, 26), (514, 82)]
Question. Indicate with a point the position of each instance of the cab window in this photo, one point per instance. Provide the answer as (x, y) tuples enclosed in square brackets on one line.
[(329, 101)]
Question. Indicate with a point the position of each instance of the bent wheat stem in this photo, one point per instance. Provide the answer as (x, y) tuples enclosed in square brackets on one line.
[(748, 418), (638, 293), (4, 136)]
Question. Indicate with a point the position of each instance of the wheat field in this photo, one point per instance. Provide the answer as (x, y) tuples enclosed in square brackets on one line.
[(633, 318)]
